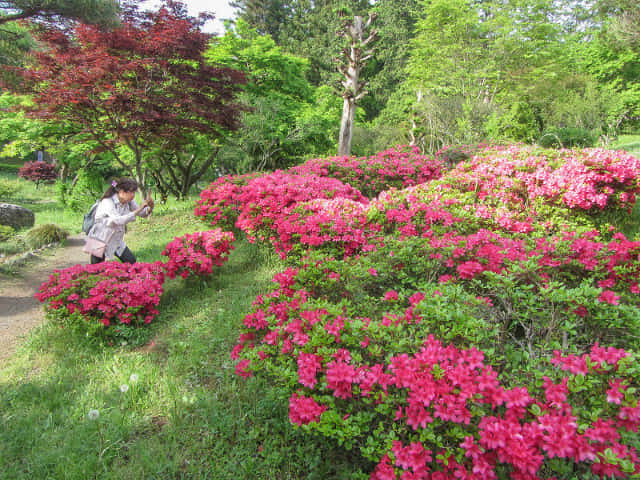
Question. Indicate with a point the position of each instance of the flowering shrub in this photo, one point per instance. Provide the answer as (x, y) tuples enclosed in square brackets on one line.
[(219, 204), (394, 168), (339, 227), (268, 199), (347, 337), (197, 253), (589, 179), (104, 298), (477, 326), (38, 172)]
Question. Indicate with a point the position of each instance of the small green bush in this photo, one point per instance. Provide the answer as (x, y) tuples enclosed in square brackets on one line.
[(44, 235), (567, 137), (6, 232), (8, 189)]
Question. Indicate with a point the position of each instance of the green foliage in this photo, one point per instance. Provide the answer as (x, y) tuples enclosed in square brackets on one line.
[(568, 137), (90, 186), (285, 118), (519, 123), (6, 232), (44, 235), (102, 12), (8, 189), (15, 42)]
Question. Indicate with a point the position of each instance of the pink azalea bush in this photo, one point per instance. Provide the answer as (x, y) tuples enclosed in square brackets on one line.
[(481, 325), (517, 176), (398, 167), (358, 355), (219, 204), (104, 298), (340, 226), (197, 253)]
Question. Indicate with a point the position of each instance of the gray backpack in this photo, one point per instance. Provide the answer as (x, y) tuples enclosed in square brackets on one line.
[(90, 218)]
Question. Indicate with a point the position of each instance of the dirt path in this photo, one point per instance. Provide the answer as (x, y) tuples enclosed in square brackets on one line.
[(19, 310)]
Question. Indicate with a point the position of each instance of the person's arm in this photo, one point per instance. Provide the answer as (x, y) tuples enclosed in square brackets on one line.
[(107, 209), (140, 210)]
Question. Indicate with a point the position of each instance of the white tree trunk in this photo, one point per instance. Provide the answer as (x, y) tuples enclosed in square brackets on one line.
[(356, 56), (346, 127)]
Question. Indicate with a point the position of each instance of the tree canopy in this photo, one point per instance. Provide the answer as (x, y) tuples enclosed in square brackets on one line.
[(139, 85), (100, 12)]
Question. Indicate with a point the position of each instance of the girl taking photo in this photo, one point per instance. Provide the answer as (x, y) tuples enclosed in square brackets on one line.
[(116, 209)]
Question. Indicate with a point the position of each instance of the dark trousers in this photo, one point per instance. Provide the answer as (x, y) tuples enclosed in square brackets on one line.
[(127, 256)]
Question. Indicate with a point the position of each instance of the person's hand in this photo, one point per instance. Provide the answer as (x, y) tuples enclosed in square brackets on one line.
[(149, 201)]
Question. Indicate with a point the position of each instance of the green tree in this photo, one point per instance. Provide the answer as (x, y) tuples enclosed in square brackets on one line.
[(490, 68), (266, 16), (622, 18), (20, 136), (102, 12), (286, 118), (395, 23)]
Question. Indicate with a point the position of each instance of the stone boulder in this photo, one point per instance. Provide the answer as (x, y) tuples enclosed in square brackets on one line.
[(16, 216)]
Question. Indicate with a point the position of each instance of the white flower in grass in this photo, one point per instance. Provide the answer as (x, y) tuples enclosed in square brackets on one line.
[(133, 378), (93, 414), (124, 388)]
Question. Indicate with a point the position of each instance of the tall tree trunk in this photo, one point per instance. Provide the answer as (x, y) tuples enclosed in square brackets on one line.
[(356, 55), (346, 126)]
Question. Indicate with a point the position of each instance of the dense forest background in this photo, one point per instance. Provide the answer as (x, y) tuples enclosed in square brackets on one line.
[(459, 71), (443, 72)]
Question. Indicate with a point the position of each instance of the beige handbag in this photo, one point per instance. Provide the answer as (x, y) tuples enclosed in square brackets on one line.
[(94, 247), (97, 240)]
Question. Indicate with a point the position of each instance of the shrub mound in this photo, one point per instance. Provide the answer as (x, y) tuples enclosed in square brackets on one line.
[(38, 172), (393, 168), (44, 235), (480, 325), (108, 300), (197, 253), (6, 232)]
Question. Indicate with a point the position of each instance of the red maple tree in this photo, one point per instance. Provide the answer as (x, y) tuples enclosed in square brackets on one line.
[(136, 85), (38, 172)]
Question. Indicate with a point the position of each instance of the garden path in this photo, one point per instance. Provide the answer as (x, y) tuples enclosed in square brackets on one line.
[(19, 310)]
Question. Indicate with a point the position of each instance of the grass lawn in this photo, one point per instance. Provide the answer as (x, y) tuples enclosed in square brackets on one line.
[(629, 143), (186, 416)]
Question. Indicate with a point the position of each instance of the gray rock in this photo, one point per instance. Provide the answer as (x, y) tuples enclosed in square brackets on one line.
[(16, 216)]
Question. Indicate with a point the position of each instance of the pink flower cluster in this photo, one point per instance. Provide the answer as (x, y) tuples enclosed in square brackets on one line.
[(219, 204), (453, 390), (393, 168), (340, 225), (111, 293), (504, 426), (268, 199), (197, 253), (516, 429), (586, 179)]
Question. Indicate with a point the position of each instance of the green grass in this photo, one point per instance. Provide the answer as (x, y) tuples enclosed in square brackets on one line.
[(187, 416), (629, 143)]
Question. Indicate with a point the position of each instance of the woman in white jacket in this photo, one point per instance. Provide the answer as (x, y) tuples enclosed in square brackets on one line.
[(117, 208)]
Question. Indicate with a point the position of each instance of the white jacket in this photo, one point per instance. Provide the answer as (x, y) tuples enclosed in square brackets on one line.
[(111, 218)]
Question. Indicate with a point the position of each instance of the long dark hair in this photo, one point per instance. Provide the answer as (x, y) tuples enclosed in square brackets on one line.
[(126, 184)]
